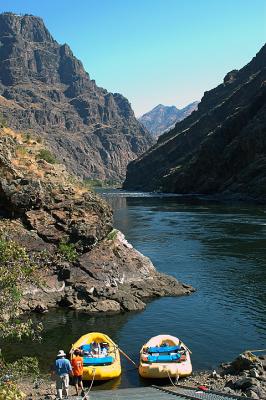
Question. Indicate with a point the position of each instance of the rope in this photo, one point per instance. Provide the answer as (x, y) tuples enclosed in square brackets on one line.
[(177, 378), (85, 395)]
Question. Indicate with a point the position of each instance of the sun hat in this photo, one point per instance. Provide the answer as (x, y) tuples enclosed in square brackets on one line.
[(61, 353)]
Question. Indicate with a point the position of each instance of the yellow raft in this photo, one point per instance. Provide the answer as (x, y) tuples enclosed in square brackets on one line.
[(164, 356), (101, 358)]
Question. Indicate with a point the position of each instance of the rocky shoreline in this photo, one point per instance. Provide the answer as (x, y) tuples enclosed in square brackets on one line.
[(245, 376)]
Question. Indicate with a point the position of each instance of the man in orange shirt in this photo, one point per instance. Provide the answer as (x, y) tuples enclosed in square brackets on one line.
[(77, 370)]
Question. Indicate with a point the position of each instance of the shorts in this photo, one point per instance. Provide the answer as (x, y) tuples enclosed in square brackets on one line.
[(77, 379), (62, 381)]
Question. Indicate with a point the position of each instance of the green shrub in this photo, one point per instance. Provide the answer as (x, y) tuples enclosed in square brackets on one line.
[(90, 183), (112, 235), (68, 251), (16, 271), (21, 151), (73, 180), (25, 366), (46, 155), (10, 391), (11, 372), (3, 121), (93, 182), (112, 183), (26, 137)]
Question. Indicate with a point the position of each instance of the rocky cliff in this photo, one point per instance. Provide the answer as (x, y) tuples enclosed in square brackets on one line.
[(45, 89), (219, 149), (82, 261), (162, 118)]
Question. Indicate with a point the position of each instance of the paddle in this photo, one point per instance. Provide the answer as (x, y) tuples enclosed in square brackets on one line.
[(256, 351), (181, 343), (125, 355)]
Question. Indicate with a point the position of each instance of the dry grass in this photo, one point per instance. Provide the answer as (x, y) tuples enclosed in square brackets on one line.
[(22, 152), (27, 162), (35, 171), (9, 103)]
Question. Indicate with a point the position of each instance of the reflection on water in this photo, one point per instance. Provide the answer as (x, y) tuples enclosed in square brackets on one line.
[(219, 249)]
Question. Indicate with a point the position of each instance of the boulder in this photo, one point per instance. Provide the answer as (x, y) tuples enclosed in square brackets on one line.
[(244, 383), (255, 392), (105, 306), (244, 362), (41, 308)]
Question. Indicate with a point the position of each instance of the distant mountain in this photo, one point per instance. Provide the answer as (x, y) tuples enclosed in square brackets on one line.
[(162, 118), (218, 149), (45, 89)]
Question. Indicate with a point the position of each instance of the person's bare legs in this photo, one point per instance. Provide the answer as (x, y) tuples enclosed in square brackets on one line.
[(77, 388), (82, 390), (66, 391)]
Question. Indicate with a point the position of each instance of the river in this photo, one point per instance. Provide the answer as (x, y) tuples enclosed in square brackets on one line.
[(217, 248)]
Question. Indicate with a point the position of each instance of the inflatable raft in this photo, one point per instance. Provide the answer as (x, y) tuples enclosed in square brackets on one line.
[(164, 356), (101, 358)]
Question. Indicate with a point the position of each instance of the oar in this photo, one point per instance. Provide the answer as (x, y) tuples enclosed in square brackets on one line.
[(181, 343), (256, 351), (124, 354), (129, 359)]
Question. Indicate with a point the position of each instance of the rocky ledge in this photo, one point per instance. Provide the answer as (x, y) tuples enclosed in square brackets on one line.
[(245, 376), (83, 263)]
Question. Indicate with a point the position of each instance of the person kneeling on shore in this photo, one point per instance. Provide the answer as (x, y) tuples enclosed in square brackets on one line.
[(77, 368), (62, 368)]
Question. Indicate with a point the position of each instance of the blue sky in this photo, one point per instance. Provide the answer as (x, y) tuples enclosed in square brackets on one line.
[(154, 51)]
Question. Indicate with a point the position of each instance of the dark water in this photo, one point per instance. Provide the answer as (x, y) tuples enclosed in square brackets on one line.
[(217, 248)]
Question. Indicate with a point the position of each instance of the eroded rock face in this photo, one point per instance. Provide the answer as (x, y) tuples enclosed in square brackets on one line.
[(83, 263), (109, 278), (45, 89), (220, 148)]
